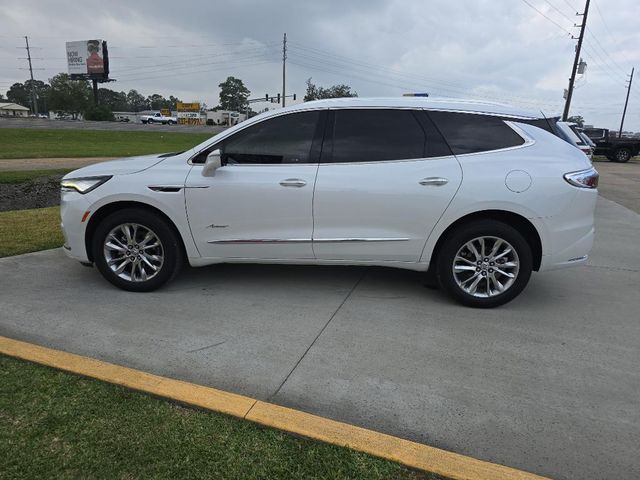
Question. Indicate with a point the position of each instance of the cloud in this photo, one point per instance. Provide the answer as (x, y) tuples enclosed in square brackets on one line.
[(487, 49)]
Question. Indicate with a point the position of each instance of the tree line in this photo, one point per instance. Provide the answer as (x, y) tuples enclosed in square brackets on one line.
[(75, 97)]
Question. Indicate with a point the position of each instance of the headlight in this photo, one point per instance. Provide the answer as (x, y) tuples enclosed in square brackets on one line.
[(83, 185)]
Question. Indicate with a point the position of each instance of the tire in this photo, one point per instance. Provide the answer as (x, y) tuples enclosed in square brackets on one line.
[(150, 122), (167, 258), (171, 122), (622, 155), (459, 282)]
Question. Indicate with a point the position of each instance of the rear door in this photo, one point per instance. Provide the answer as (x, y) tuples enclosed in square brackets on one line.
[(385, 178)]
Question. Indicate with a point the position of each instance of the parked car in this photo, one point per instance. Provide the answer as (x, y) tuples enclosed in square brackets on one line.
[(158, 118), (616, 149), (569, 132), (477, 195), (122, 118)]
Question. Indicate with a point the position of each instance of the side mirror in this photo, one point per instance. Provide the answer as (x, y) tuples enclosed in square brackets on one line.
[(214, 162)]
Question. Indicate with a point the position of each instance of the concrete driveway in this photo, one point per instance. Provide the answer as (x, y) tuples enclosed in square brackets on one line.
[(549, 383)]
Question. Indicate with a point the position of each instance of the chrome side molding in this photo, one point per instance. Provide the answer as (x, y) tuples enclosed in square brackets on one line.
[(306, 240)]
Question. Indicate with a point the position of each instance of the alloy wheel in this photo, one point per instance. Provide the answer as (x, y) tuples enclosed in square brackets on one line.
[(486, 266), (133, 252)]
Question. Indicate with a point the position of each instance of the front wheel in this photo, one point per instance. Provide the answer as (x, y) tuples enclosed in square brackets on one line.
[(136, 250), (622, 155), (484, 264)]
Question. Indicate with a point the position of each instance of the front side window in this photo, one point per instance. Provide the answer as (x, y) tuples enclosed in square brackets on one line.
[(284, 139), (471, 133), (376, 135)]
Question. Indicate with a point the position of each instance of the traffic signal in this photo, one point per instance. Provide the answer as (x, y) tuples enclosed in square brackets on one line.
[(294, 96), (278, 98), (266, 97)]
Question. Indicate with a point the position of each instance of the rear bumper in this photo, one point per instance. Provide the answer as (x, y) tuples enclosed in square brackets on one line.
[(569, 236)]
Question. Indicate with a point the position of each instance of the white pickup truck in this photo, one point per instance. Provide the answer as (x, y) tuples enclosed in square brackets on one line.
[(158, 118)]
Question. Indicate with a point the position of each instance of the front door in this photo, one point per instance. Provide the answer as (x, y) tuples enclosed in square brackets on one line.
[(259, 203), (385, 178)]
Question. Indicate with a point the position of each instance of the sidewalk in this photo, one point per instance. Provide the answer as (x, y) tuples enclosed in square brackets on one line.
[(15, 164)]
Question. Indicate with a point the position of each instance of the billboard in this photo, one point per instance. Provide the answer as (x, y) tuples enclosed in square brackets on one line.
[(189, 114), (88, 59)]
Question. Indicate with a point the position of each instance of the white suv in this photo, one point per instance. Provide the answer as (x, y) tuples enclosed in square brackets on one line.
[(477, 195)]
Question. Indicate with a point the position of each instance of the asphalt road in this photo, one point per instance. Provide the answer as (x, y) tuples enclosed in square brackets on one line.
[(548, 383), (620, 182), (41, 123)]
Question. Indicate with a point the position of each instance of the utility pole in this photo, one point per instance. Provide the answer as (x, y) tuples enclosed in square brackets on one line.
[(34, 102), (624, 112), (567, 103), (284, 61)]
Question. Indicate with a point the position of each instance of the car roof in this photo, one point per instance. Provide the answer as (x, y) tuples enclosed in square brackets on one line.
[(431, 103)]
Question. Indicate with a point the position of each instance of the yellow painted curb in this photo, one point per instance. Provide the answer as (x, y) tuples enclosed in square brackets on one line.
[(412, 454)]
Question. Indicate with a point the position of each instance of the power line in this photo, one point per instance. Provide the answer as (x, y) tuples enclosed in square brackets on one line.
[(548, 18)]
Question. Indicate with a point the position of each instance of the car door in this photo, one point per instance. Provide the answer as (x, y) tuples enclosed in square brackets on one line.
[(385, 178), (259, 203)]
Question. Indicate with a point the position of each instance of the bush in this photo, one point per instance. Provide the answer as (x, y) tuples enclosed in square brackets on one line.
[(209, 121), (99, 112)]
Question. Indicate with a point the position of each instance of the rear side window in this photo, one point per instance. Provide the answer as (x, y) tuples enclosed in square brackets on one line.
[(471, 133), (377, 135)]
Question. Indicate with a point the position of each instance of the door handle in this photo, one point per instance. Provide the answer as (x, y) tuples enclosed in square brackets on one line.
[(434, 181), (293, 182)]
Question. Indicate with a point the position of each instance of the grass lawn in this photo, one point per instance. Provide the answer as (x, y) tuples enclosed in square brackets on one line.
[(27, 175), (23, 231), (58, 425), (50, 143)]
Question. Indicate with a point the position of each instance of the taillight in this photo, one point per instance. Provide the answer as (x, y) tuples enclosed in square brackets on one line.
[(584, 178)]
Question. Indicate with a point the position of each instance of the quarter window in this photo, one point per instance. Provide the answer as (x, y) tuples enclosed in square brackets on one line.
[(470, 133), (284, 139), (376, 135)]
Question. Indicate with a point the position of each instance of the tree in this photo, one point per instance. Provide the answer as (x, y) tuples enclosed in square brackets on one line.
[(576, 119), (116, 101), (335, 91), (158, 102), (21, 93), (99, 113), (136, 101), (69, 96), (233, 95), (174, 101)]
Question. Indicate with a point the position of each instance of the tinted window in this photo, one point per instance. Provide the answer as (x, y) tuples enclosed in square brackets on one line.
[(376, 135), (470, 133), (284, 139)]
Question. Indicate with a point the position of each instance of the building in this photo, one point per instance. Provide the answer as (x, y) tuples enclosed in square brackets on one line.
[(225, 117), (8, 109)]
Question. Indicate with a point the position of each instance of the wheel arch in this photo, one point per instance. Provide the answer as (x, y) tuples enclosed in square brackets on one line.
[(520, 223), (106, 210)]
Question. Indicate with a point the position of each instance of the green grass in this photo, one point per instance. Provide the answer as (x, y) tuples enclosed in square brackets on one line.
[(58, 425), (55, 143), (23, 231), (28, 175)]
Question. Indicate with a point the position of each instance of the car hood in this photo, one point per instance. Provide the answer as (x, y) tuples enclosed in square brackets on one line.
[(123, 166)]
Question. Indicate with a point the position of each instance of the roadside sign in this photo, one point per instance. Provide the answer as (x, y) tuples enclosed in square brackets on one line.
[(189, 113)]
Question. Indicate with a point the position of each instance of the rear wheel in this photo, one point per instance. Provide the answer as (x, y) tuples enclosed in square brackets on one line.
[(622, 155), (137, 250), (484, 264)]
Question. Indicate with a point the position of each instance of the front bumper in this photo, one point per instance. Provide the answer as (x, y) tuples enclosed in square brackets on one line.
[(74, 220)]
